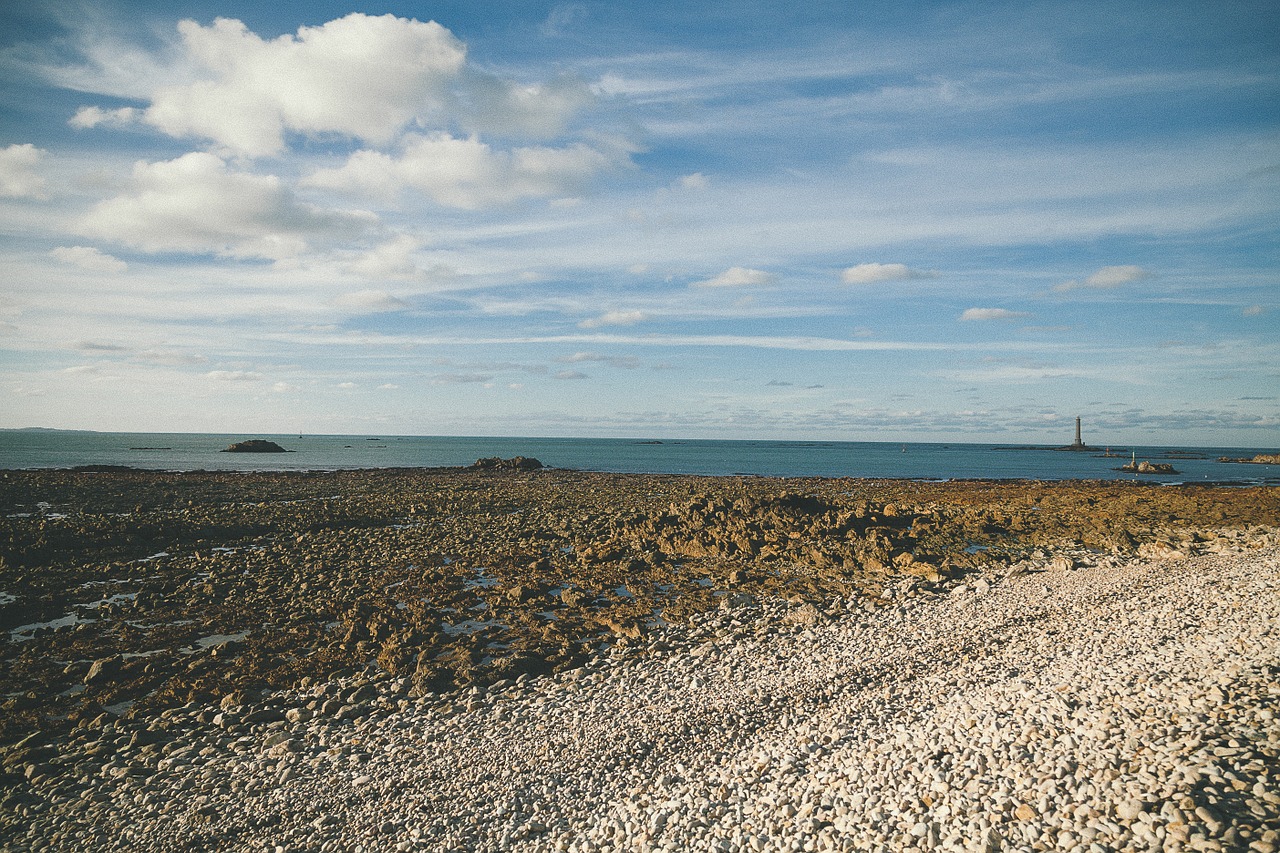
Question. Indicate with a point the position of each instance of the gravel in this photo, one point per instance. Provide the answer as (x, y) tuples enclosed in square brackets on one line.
[(1075, 705)]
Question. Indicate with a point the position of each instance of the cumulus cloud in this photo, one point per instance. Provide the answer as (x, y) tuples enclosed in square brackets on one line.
[(973, 314), (196, 204), (873, 272), (467, 173), (1107, 278), (88, 258), (91, 117), (738, 277), (19, 171), (360, 76), (1254, 311), (370, 302), (614, 318)]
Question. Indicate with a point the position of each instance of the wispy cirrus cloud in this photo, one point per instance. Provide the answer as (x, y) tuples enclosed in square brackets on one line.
[(371, 301), (738, 277), (614, 318), (970, 315), (88, 258), (627, 362)]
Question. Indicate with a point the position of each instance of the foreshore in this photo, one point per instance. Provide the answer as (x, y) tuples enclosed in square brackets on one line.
[(471, 660)]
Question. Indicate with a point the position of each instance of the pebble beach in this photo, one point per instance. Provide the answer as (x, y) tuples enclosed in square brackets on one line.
[(1062, 697)]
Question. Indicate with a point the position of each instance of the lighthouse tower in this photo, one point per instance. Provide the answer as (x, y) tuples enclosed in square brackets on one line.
[(1078, 443)]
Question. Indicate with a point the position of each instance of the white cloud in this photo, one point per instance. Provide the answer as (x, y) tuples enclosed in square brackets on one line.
[(1116, 276), (696, 181), (614, 318), (370, 301), (88, 258), (90, 117), (1254, 311), (874, 272), (196, 204), (397, 258), (561, 19), (461, 378), (234, 376), (360, 76), (738, 277), (166, 356), (490, 104), (571, 375), (1107, 278), (392, 259), (467, 173), (972, 314), (19, 175), (628, 362)]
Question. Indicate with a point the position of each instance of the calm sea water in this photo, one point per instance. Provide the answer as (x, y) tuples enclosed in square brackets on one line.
[(191, 451)]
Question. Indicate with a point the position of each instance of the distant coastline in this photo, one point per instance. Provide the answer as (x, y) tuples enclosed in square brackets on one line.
[(931, 461)]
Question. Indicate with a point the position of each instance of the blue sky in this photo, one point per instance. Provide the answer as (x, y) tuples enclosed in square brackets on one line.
[(933, 221)]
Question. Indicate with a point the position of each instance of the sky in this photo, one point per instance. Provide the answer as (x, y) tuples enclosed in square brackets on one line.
[(948, 221)]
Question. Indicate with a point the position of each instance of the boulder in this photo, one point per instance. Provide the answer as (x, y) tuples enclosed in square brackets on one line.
[(103, 669)]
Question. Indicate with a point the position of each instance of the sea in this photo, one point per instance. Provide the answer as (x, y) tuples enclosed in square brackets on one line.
[(41, 448)]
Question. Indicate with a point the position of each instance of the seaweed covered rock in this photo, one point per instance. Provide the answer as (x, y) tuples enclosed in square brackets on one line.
[(516, 463)]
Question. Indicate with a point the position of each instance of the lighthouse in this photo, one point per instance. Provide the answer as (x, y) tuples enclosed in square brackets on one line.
[(1078, 444)]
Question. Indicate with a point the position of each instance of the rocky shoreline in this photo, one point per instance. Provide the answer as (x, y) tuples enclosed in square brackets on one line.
[(558, 660)]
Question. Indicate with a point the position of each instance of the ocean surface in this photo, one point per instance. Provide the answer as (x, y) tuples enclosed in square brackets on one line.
[(923, 461)]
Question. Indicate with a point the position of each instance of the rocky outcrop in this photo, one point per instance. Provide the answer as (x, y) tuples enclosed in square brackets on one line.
[(189, 586), (255, 445), (516, 463), (1145, 467), (1260, 459)]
